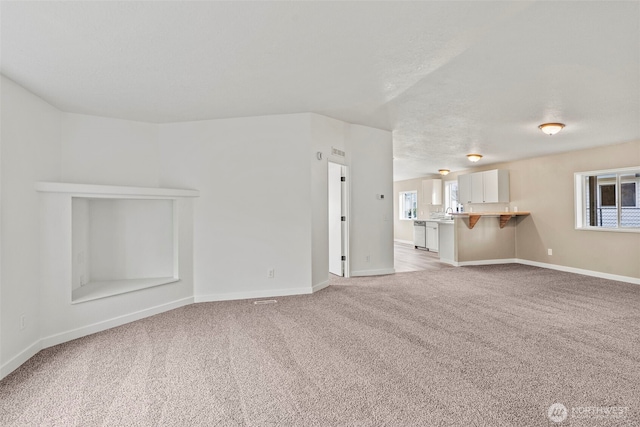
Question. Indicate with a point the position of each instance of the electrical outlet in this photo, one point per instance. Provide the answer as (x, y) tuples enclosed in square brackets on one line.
[(271, 273), (82, 282), (368, 258), (549, 251), (23, 322)]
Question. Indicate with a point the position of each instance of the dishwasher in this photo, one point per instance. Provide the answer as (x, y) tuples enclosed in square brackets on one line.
[(419, 234)]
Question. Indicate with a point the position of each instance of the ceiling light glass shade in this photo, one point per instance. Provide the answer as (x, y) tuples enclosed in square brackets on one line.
[(551, 128), (474, 157), (443, 171)]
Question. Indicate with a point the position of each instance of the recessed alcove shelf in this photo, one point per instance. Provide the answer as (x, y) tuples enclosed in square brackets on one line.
[(89, 190), (123, 239)]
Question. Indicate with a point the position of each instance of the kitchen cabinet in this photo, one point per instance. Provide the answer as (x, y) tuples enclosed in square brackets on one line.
[(464, 188), (432, 191), (431, 235), (490, 186), (477, 187)]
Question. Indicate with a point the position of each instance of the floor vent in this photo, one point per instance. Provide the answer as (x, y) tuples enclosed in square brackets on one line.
[(266, 301)]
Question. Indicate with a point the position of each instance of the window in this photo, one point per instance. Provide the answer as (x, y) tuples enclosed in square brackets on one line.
[(408, 205), (451, 198), (608, 200)]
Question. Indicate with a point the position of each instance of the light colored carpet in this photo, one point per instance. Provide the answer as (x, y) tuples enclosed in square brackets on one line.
[(469, 346)]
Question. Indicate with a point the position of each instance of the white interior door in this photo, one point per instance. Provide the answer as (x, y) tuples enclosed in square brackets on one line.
[(336, 224)]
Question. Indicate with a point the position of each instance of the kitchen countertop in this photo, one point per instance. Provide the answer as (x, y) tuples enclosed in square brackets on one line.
[(520, 213), (474, 217)]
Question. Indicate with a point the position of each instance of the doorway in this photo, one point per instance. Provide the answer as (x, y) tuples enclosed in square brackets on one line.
[(338, 220)]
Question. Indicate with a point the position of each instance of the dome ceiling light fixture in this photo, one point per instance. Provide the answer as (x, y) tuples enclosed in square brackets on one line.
[(474, 157), (444, 171), (551, 128)]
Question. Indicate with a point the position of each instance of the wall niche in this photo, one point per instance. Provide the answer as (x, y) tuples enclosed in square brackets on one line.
[(122, 239), (121, 245)]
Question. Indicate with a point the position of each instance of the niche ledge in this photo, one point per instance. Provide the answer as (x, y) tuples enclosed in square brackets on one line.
[(112, 190), (107, 288)]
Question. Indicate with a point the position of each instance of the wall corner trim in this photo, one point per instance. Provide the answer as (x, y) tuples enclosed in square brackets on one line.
[(16, 361), (320, 286)]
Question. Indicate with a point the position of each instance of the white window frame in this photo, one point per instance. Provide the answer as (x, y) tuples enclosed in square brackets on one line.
[(580, 199), (447, 195), (401, 205)]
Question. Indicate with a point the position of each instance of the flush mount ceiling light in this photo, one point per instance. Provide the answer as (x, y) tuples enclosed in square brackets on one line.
[(551, 128), (474, 157), (444, 171)]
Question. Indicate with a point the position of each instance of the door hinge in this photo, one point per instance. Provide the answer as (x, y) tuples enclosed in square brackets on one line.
[(344, 258), (343, 218), (343, 178)]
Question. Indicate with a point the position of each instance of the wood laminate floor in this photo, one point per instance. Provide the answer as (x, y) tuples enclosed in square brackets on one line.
[(408, 258)]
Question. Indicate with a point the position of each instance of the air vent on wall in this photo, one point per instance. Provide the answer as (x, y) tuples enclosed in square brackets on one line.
[(337, 152)]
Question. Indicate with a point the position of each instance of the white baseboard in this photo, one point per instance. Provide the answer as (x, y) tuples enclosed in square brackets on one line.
[(112, 323), (320, 286), (380, 272), (20, 358), (601, 275), (62, 337), (253, 294), (487, 262), (408, 242), (592, 273)]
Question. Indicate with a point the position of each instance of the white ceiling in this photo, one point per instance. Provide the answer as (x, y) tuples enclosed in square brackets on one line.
[(448, 78)]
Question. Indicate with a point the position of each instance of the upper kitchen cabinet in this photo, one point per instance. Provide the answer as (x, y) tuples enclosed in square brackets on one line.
[(432, 191), (464, 188), (490, 186)]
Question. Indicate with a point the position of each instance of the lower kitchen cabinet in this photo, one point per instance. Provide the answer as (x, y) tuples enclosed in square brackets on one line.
[(432, 235)]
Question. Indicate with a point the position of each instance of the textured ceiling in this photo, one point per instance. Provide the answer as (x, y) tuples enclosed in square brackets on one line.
[(448, 78)]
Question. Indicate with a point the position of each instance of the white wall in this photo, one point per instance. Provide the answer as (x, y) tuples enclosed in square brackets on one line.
[(130, 239), (31, 131), (254, 209), (325, 133), (371, 222), (370, 172), (99, 150)]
